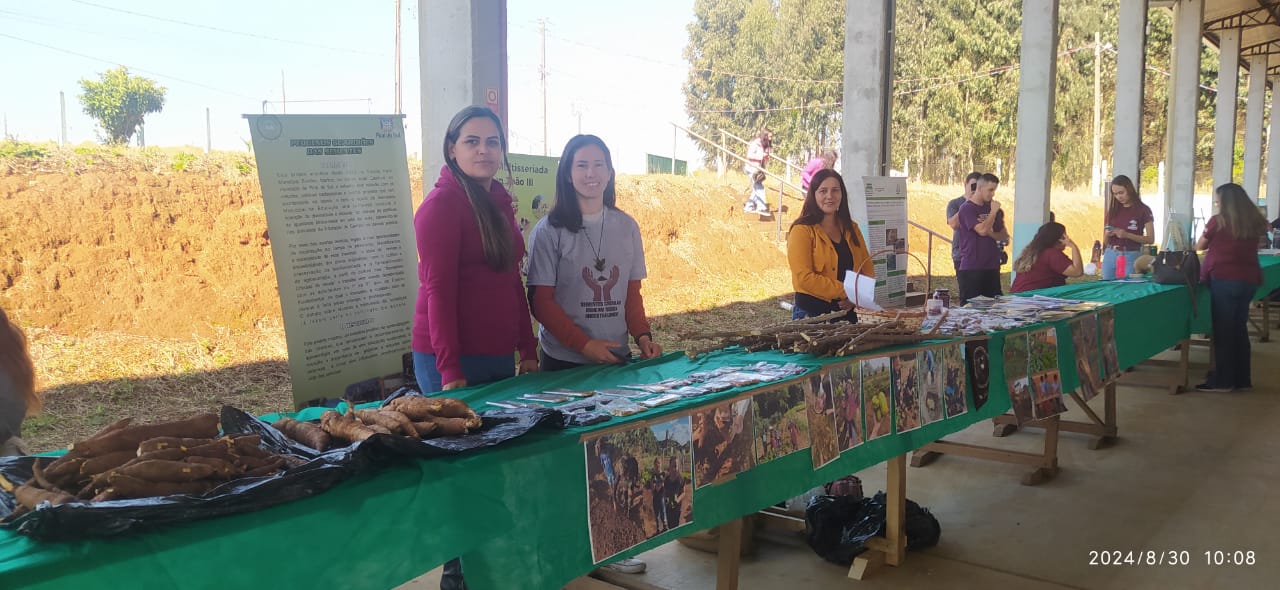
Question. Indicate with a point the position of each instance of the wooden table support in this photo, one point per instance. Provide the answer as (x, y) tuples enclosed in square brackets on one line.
[(1102, 429), (891, 549), (1044, 464), (1262, 326), (1175, 383)]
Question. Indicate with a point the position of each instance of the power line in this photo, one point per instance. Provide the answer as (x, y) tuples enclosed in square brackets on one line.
[(769, 110), (156, 74), (227, 31)]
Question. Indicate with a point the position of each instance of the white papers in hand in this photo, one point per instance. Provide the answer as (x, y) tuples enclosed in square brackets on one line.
[(861, 290)]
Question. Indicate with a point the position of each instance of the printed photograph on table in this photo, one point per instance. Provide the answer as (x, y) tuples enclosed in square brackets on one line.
[(1042, 355), (781, 422), (877, 396), (822, 419), (953, 391), (639, 485), (1016, 362), (722, 442), (1084, 335), (977, 358), (1046, 390), (1110, 360), (931, 384), (847, 391), (906, 389)]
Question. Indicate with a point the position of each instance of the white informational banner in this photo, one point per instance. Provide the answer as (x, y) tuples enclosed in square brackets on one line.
[(886, 231), (336, 191)]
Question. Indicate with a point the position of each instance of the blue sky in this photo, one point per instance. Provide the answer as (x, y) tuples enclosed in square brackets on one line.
[(621, 68)]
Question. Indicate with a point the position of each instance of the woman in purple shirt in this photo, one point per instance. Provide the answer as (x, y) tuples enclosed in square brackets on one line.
[(1232, 271)]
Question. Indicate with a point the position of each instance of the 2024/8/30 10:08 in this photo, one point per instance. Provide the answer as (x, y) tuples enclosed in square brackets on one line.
[(1171, 557)]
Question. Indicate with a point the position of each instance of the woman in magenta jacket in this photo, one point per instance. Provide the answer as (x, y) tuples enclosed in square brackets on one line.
[(471, 314)]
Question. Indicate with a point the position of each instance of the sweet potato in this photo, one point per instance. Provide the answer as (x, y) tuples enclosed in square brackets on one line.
[(272, 466), (37, 474), (31, 496), (249, 445), (386, 420), (128, 438), (123, 486), (223, 469), (416, 407), (63, 469), (107, 462), (169, 442), (346, 427), (454, 408), (425, 429), (155, 470), (306, 433), (118, 425)]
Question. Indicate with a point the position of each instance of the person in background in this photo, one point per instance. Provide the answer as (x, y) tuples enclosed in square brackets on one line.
[(1232, 271), (953, 215), (471, 314), (826, 161), (1043, 264), (18, 396), (981, 228), (1130, 226), (824, 244), (586, 267), (758, 151)]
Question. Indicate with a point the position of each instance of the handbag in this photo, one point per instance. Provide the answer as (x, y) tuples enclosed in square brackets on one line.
[(1173, 267)]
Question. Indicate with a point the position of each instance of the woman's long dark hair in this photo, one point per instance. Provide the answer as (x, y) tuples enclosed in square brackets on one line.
[(566, 212), (495, 230), (811, 214), (16, 363), (1123, 182), (1237, 213), (1048, 235)]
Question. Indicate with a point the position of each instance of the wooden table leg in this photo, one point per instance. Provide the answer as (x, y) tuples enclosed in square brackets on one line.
[(1049, 469), (730, 555), (892, 548)]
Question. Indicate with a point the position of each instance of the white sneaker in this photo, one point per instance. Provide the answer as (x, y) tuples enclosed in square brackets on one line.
[(629, 565)]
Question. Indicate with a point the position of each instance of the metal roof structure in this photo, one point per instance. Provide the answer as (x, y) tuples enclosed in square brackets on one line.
[(1259, 24)]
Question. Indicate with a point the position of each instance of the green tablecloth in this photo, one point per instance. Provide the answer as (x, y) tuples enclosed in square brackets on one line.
[(517, 513)]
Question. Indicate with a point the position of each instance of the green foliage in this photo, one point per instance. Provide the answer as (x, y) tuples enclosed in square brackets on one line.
[(183, 160), (11, 148), (119, 102)]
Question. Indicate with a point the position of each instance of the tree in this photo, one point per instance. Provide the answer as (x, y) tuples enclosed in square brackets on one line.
[(119, 102)]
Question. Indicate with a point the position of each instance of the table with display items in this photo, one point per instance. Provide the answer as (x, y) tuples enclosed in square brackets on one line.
[(517, 513)]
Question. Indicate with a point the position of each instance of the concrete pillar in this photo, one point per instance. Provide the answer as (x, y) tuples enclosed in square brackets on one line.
[(1131, 64), (1036, 86), (1184, 97), (462, 51), (1273, 154), (1253, 127), (1224, 129), (867, 94)]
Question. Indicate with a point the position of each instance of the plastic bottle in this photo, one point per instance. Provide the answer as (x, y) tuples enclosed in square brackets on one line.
[(1096, 258), (1122, 265)]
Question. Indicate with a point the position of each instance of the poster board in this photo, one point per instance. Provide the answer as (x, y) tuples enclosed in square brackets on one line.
[(886, 201), (336, 193), (533, 185)]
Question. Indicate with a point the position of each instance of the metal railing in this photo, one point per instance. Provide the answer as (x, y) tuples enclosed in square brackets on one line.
[(928, 272), (789, 165)]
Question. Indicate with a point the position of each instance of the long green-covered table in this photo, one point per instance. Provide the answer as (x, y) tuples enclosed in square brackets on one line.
[(517, 513)]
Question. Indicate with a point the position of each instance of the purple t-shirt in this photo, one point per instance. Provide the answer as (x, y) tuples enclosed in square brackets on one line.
[(977, 252)]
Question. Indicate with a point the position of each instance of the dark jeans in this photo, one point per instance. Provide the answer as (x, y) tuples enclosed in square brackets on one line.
[(806, 306), (550, 363), (1230, 302), (478, 370), (973, 283)]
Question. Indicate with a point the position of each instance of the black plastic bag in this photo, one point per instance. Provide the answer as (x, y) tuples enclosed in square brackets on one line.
[(80, 520), (839, 526)]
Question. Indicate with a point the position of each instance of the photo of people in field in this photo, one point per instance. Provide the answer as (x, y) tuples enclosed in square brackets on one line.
[(639, 485), (847, 391), (906, 388), (781, 422), (1110, 360), (1084, 335), (1043, 353), (877, 396), (953, 392), (931, 385), (822, 419), (1046, 389), (1016, 363), (722, 442)]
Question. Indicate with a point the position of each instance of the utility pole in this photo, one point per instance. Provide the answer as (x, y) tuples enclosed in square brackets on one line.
[(284, 102), (1097, 114), (542, 72), (398, 108), (208, 133), (62, 100)]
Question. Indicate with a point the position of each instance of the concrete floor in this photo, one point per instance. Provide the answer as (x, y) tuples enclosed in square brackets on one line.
[(1194, 472)]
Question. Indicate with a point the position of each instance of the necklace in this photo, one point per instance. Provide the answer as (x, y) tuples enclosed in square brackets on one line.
[(599, 264)]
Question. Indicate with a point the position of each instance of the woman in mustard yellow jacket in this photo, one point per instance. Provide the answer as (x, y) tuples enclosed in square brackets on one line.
[(824, 243)]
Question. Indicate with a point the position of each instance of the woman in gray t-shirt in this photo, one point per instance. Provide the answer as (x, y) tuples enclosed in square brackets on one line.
[(17, 386), (586, 262)]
